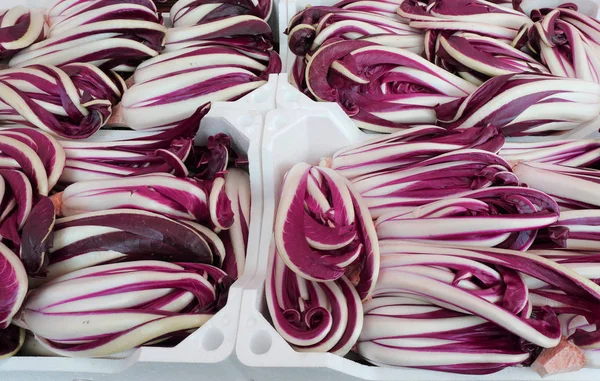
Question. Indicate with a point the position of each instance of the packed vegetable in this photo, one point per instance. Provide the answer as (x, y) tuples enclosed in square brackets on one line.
[(148, 226), (528, 74), (169, 299), (214, 52), (161, 238), (466, 239), (114, 35), (482, 260), (487, 243), (169, 88)]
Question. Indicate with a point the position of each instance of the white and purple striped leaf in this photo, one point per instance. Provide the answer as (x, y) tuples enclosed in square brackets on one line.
[(381, 88), (313, 316), (124, 235), (13, 287), (476, 58), (45, 146), (313, 26), (169, 88), (121, 153), (195, 12), (237, 188), (114, 35), (427, 181), (409, 147), (525, 105), (323, 230), (19, 28), (237, 30), (574, 230), (477, 16), (71, 102), (572, 188), (451, 301), (571, 153), (385, 8), (504, 216), (567, 41), (179, 198), (112, 308)]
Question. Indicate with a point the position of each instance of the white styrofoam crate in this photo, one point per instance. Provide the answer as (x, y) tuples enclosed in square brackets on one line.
[(289, 137), (209, 350)]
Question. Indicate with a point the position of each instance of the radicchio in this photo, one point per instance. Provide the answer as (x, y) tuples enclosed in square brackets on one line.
[(323, 230), (381, 88), (107, 309), (505, 216), (525, 105), (114, 35), (71, 102)]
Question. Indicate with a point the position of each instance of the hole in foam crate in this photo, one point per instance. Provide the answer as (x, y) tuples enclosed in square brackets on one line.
[(213, 339), (261, 342)]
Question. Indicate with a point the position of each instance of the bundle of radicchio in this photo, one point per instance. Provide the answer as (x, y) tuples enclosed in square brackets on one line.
[(313, 316), (241, 24), (503, 216), (323, 230), (72, 102), (155, 172), (567, 41), (381, 88), (441, 176), (525, 105), (571, 153), (169, 88), (107, 309), (407, 148), (476, 57), (194, 12), (119, 235), (385, 8), (477, 16), (573, 188), (576, 312), (472, 38), (116, 34), (13, 290), (313, 26), (466, 310), (122, 153), (574, 230), (180, 198), (31, 162), (243, 31), (30, 165)]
